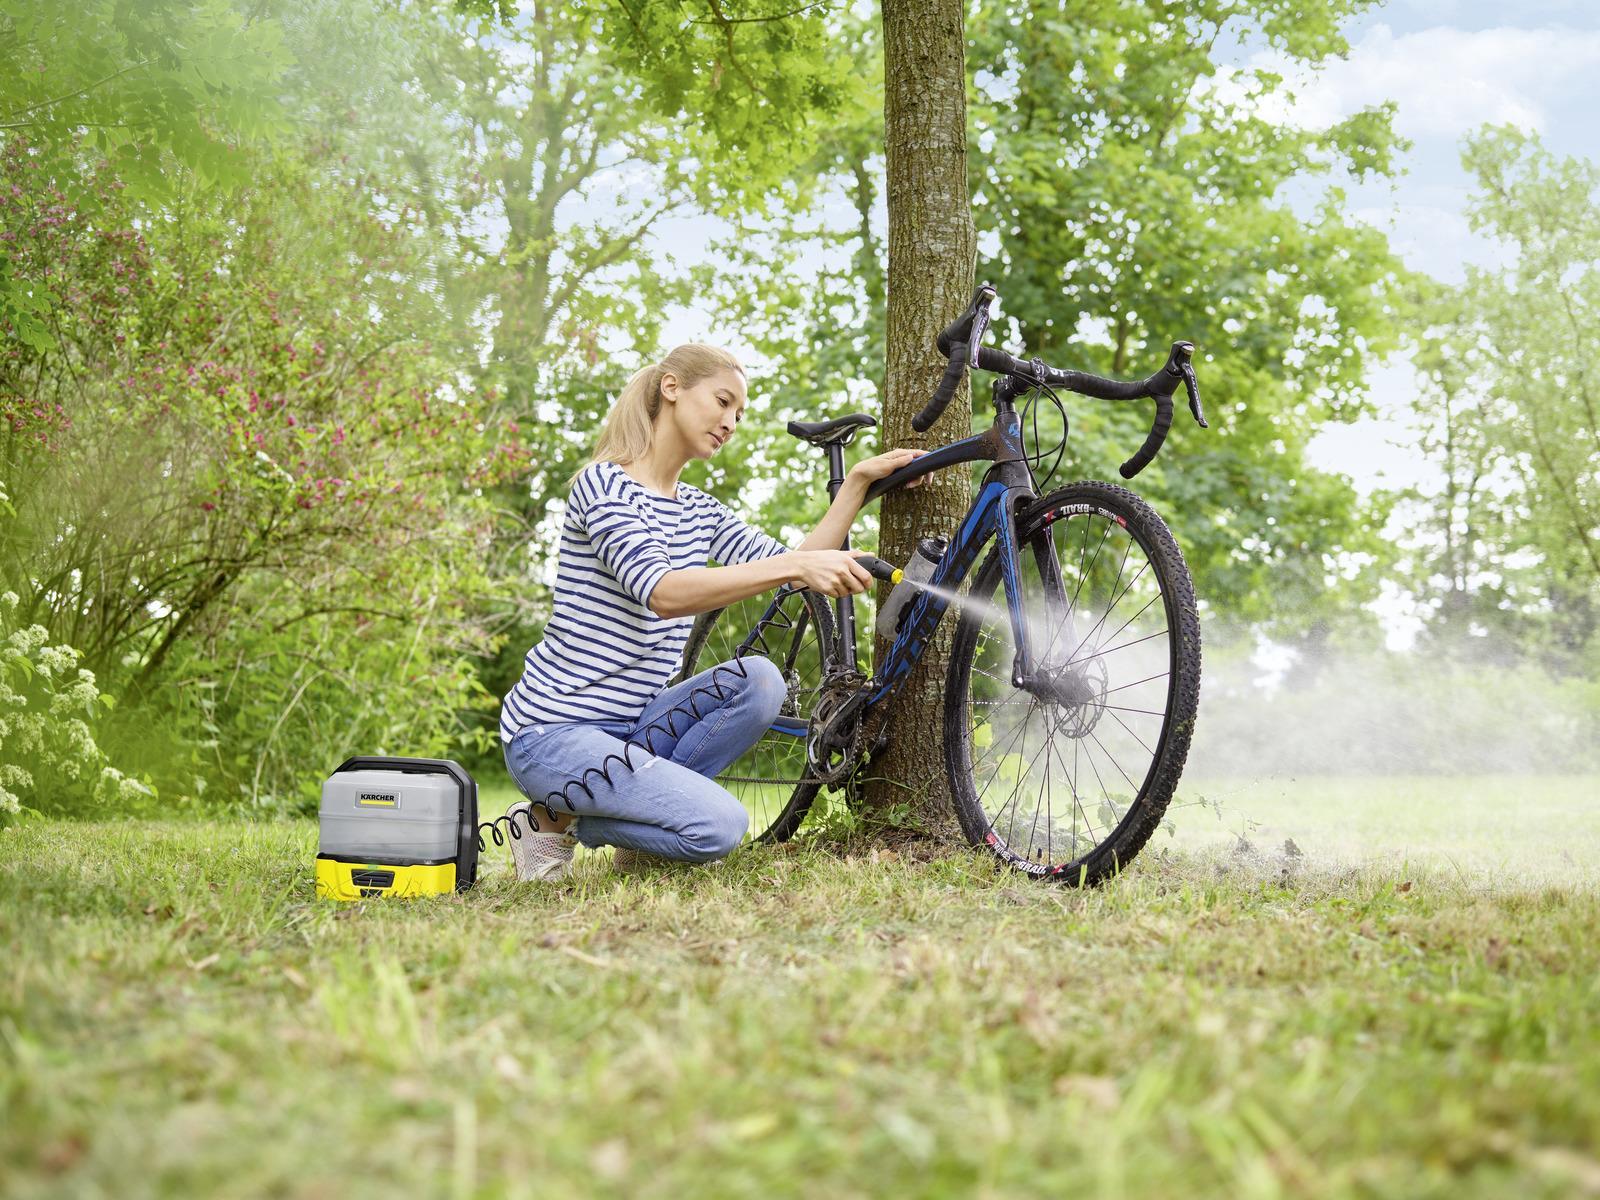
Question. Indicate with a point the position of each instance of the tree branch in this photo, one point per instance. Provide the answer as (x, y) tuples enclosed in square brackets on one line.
[(73, 95), (721, 19)]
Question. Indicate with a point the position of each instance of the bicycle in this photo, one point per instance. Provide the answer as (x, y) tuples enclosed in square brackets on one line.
[(1046, 652)]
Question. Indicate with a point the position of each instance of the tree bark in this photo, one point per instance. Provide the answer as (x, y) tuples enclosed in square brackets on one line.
[(932, 256)]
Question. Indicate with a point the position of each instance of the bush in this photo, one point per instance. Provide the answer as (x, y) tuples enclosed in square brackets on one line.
[(264, 714), (254, 482), (50, 762)]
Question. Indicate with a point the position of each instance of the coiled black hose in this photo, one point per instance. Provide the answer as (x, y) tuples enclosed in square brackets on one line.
[(667, 723)]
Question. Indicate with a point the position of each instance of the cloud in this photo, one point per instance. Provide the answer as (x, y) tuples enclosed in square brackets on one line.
[(1434, 237), (1446, 81)]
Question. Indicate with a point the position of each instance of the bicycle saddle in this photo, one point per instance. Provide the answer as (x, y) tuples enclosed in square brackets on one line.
[(840, 429)]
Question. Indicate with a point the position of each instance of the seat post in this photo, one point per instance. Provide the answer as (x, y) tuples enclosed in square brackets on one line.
[(835, 468), (843, 606)]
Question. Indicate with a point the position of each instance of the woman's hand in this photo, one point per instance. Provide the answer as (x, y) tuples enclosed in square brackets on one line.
[(869, 470), (835, 527), (831, 572)]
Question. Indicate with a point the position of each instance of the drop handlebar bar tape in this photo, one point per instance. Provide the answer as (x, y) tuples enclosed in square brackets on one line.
[(954, 341), (1160, 387), (953, 370)]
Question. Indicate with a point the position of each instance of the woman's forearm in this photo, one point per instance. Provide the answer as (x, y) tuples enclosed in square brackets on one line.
[(693, 590), (831, 530)]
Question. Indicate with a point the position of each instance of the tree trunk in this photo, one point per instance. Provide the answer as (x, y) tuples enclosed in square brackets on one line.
[(932, 256)]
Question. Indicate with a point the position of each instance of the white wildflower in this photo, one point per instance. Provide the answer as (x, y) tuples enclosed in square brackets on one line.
[(108, 787), (30, 639), (131, 789), (27, 733), (80, 696), (57, 660), (79, 740)]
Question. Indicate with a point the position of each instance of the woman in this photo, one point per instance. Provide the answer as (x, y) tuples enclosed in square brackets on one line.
[(630, 577)]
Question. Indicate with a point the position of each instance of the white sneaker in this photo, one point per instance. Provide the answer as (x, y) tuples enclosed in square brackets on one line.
[(538, 855)]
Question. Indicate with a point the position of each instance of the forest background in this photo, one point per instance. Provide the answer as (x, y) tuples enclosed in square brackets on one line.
[(309, 310)]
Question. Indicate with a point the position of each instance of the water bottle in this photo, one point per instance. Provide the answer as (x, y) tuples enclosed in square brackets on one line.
[(929, 551)]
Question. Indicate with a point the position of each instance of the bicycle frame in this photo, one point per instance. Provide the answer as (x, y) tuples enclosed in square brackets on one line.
[(1008, 484)]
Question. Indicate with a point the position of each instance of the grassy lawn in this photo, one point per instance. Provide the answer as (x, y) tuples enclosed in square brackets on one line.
[(1499, 830), (180, 1016)]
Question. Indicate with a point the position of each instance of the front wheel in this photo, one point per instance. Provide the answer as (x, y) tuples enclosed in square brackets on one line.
[(1068, 778)]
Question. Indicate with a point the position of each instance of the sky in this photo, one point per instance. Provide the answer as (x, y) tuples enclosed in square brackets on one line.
[(1451, 66)]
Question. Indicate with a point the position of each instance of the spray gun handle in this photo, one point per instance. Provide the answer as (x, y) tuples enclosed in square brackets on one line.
[(879, 569)]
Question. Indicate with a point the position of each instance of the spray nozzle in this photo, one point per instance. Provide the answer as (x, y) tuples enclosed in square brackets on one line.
[(879, 569)]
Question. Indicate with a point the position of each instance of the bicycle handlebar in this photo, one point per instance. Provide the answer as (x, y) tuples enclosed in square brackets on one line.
[(962, 346), (955, 342)]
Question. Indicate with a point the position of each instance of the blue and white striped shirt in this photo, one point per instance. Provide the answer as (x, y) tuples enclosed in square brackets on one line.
[(604, 654)]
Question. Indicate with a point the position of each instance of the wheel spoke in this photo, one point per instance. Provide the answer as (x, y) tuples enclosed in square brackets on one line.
[(771, 778), (1100, 653), (1084, 641), (1114, 625), (1137, 682)]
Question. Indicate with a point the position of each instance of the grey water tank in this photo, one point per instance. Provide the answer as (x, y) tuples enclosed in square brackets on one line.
[(394, 817)]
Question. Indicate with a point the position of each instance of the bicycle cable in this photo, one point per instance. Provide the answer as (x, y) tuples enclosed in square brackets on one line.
[(1030, 407)]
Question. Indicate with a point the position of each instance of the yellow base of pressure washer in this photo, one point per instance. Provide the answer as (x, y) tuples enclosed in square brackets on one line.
[(397, 827), (338, 880)]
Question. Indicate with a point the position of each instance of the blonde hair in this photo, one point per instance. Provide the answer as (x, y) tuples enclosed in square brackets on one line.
[(630, 428)]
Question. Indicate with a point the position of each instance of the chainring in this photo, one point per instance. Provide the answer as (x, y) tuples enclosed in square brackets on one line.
[(833, 741)]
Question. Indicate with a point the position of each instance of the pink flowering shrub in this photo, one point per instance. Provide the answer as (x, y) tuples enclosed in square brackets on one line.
[(252, 442)]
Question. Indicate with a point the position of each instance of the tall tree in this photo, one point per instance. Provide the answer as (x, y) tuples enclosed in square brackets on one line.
[(586, 134), (1511, 542), (1130, 190), (932, 252)]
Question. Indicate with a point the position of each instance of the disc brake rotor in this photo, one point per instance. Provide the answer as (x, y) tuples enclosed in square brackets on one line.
[(1077, 694)]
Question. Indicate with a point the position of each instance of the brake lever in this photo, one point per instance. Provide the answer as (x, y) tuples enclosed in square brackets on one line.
[(980, 323), (1192, 386)]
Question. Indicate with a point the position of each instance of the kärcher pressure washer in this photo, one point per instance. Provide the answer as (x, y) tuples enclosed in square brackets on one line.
[(397, 827)]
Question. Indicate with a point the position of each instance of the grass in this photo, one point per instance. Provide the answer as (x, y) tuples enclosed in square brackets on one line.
[(180, 1016), (1497, 830)]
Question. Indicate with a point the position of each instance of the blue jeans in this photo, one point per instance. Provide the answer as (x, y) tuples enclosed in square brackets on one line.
[(668, 804)]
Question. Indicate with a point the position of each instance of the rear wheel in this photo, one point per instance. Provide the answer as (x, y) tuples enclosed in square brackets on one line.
[(1068, 779), (795, 629)]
